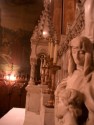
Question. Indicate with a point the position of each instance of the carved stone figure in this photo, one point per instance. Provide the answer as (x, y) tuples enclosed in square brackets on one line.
[(74, 96), (69, 107)]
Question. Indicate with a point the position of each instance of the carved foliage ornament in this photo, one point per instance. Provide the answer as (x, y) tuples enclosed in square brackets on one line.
[(73, 31)]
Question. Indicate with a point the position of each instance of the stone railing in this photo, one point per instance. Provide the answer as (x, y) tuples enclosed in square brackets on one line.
[(74, 30)]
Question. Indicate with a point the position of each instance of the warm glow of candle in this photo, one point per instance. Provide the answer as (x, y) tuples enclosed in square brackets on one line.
[(10, 77), (45, 33), (55, 53)]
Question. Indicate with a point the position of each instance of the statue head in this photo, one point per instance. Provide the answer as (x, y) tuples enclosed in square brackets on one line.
[(81, 51)]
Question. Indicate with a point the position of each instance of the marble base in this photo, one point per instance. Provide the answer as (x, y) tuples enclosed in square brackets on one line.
[(47, 116), (32, 118), (36, 113), (44, 87), (33, 98), (44, 98)]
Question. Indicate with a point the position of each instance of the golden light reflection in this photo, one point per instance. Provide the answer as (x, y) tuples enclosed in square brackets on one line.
[(45, 34), (10, 77)]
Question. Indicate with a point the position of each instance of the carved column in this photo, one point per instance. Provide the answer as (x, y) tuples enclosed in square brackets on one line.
[(32, 73)]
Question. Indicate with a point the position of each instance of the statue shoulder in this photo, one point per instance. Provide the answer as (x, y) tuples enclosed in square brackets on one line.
[(92, 73), (90, 77), (63, 82), (61, 86)]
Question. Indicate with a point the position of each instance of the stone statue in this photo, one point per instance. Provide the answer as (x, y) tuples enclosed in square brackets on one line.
[(74, 96), (89, 19), (69, 107)]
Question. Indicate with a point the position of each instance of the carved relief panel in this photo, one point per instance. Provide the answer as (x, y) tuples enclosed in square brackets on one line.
[(68, 13)]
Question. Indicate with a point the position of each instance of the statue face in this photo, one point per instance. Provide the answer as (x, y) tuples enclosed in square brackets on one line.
[(78, 55), (79, 47)]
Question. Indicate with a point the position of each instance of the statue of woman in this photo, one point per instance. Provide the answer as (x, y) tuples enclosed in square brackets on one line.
[(78, 88)]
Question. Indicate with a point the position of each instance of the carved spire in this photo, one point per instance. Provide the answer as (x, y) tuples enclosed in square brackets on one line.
[(45, 28)]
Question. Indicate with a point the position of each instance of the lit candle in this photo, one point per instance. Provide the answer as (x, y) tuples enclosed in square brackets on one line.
[(51, 50), (55, 53)]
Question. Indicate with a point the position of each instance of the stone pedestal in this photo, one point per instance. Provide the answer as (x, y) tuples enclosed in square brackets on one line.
[(36, 113), (44, 98), (44, 87), (47, 116), (32, 118), (33, 98)]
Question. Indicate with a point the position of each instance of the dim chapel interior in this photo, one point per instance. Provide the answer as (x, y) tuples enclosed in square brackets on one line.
[(34, 44)]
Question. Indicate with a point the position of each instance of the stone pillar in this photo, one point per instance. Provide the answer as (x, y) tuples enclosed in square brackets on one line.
[(32, 73), (32, 98)]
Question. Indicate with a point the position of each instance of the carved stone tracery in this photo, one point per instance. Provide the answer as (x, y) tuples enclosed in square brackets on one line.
[(74, 30)]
